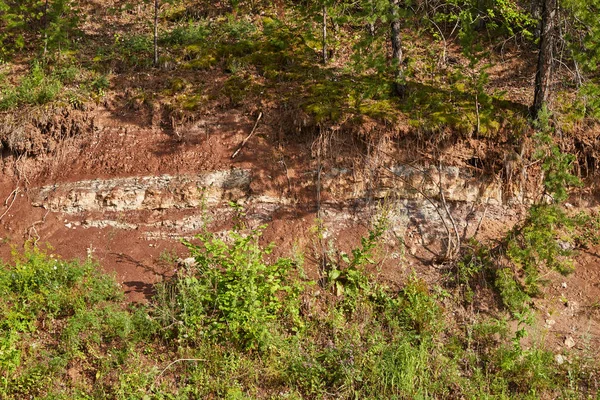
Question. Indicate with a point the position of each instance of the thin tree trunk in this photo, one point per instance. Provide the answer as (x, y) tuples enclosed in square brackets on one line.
[(45, 28), (543, 76), (324, 34), (536, 13), (397, 55), (156, 7)]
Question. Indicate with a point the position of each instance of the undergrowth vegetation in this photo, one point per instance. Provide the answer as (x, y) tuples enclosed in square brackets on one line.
[(237, 323), (264, 58), (544, 241)]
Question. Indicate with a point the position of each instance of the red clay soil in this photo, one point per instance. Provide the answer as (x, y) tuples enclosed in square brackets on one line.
[(123, 148)]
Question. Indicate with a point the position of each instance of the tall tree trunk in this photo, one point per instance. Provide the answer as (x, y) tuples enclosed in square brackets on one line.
[(397, 55), (45, 28), (543, 76), (324, 33), (536, 13), (156, 7)]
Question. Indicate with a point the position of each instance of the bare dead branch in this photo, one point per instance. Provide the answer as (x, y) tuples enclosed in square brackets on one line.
[(14, 194), (247, 137)]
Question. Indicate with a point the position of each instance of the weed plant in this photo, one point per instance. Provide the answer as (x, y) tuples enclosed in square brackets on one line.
[(35, 89), (240, 324)]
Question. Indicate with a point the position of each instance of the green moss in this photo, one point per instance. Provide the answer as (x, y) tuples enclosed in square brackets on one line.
[(382, 110), (325, 101), (178, 84), (192, 102), (237, 88), (202, 62)]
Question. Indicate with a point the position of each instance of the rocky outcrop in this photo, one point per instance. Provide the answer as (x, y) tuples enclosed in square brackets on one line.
[(410, 195), (145, 193)]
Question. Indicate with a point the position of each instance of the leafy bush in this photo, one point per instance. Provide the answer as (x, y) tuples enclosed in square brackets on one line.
[(36, 25), (231, 294), (54, 310), (36, 88)]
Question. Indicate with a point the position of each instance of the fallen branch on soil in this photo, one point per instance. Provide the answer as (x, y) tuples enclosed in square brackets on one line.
[(247, 137), (14, 194)]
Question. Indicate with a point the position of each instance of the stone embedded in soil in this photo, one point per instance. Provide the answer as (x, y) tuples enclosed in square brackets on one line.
[(189, 262), (182, 203), (569, 342), (573, 307), (550, 323), (144, 193), (192, 191)]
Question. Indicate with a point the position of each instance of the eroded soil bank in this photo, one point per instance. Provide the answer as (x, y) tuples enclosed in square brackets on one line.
[(126, 194)]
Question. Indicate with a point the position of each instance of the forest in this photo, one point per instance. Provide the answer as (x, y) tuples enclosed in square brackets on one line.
[(308, 146)]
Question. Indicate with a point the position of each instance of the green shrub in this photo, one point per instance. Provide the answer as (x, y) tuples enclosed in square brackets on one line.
[(100, 84), (51, 312), (231, 295), (192, 33), (36, 88), (419, 312)]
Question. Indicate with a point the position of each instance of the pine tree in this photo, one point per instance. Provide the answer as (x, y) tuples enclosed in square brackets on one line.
[(543, 76), (397, 54)]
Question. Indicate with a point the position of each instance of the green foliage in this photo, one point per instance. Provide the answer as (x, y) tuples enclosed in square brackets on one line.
[(54, 311), (351, 282), (36, 25), (589, 95), (473, 269), (500, 18), (513, 296), (35, 89), (420, 312), (556, 165), (60, 24), (191, 33), (583, 35), (238, 87), (232, 294), (542, 241), (535, 244), (135, 50), (479, 268)]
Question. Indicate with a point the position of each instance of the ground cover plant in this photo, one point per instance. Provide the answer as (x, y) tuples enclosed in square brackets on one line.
[(239, 324), (330, 64)]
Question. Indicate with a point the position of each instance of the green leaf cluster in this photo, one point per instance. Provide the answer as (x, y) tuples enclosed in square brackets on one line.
[(37, 25), (232, 294), (37, 88)]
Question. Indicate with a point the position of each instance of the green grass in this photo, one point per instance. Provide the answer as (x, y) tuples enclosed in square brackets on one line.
[(240, 324), (36, 88)]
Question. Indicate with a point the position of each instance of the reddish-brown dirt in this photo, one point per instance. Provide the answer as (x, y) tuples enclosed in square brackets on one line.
[(121, 147)]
